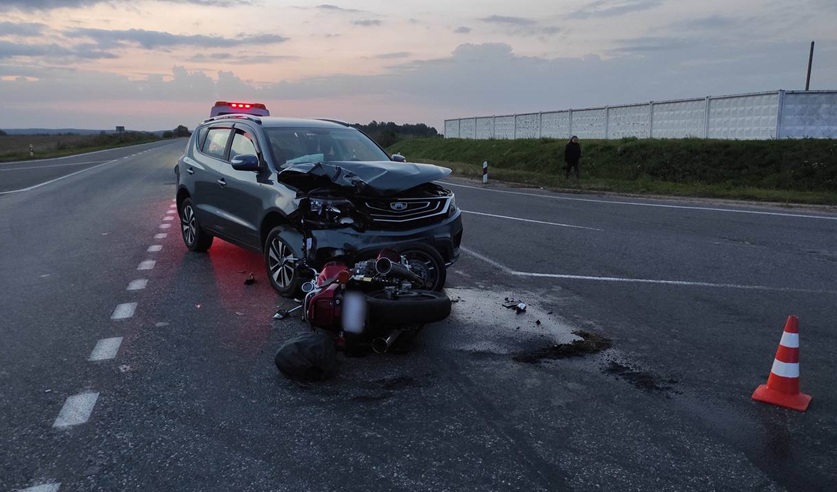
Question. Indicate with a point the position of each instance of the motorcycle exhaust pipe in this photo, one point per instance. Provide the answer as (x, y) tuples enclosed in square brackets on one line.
[(385, 266), (380, 345)]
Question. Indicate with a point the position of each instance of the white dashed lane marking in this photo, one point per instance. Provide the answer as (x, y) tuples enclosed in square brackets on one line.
[(168, 218), (138, 284), (147, 265), (124, 311), (161, 235), (155, 248), (165, 226), (46, 487), (76, 410), (106, 349)]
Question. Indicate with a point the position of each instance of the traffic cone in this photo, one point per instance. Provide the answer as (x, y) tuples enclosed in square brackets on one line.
[(782, 386)]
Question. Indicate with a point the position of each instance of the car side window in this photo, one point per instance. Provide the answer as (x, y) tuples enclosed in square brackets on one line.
[(242, 144), (216, 142)]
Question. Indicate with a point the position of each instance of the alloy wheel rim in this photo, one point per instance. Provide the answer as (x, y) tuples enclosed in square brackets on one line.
[(189, 225), (282, 263)]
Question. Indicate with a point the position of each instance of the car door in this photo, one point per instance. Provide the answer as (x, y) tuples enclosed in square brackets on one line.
[(241, 191), (205, 174)]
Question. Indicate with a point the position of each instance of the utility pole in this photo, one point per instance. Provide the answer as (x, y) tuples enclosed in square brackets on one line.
[(810, 60)]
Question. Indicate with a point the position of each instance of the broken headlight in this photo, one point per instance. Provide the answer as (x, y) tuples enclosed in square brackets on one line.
[(330, 211)]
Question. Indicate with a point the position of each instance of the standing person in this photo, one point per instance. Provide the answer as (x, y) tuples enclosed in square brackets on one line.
[(572, 154)]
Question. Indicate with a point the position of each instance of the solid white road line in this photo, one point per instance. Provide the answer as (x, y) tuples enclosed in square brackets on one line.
[(533, 221), (155, 248), (516, 273), (138, 284), (54, 180), (106, 349), (146, 265), (76, 410), (124, 311), (161, 235), (638, 204), (47, 487)]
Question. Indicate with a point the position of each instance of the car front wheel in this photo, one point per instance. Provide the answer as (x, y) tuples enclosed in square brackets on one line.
[(281, 264), (195, 238)]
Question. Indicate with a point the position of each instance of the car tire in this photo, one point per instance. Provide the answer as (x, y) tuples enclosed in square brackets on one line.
[(415, 307), (281, 264), (425, 261), (194, 236)]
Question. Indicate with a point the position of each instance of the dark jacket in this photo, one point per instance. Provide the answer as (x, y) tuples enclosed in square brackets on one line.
[(572, 152)]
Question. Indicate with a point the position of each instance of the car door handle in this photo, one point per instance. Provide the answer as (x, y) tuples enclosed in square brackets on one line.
[(222, 182), (190, 170)]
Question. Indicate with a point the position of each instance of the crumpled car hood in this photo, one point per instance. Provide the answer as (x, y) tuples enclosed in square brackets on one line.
[(369, 178)]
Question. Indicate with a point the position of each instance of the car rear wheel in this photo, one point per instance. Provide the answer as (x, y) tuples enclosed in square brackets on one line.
[(195, 238), (281, 264)]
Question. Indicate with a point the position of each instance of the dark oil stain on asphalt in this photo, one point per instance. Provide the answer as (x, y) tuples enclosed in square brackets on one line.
[(641, 379), (590, 343)]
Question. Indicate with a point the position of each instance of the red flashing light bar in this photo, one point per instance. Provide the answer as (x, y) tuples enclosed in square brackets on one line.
[(241, 105)]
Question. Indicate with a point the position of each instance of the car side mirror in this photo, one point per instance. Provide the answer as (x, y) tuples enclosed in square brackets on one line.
[(399, 158), (245, 162)]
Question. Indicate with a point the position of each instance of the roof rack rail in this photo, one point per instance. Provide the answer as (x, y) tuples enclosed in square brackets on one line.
[(250, 117)]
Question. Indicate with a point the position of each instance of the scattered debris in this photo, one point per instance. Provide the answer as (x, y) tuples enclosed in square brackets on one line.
[(590, 343), (250, 279), (538, 322), (161, 324), (518, 306)]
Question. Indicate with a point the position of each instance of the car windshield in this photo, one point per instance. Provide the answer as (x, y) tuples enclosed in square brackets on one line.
[(304, 145)]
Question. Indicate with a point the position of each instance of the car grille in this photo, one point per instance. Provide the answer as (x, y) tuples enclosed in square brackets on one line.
[(406, 209)]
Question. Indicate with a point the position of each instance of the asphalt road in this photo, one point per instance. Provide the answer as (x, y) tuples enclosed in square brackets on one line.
[(693, 295)]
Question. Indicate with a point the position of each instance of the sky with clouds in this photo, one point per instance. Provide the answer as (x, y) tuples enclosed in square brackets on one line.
[(156, 64)]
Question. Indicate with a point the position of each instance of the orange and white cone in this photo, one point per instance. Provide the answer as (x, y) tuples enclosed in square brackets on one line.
[(782, 386)]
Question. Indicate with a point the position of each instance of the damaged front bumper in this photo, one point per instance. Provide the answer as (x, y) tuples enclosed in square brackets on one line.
[(445, 237)]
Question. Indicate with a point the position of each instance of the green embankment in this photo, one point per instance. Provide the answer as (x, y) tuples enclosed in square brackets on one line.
[(791, 171)]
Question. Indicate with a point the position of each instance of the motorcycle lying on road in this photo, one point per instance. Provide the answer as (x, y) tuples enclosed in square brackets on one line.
[(371, 302)]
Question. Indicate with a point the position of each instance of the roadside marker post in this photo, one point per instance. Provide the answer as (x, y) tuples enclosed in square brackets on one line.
[(485, 172)]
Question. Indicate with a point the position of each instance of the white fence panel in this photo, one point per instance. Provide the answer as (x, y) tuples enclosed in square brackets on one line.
[(452, 128), (556, 124), (744, 117), (809, 115), (629, 121), (504, 127), (527, 125), (589, 123), (468, 128), (679, 119), (485, 128)]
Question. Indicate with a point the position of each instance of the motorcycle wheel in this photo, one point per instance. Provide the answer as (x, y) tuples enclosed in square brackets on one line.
[(427, 263), (411, 308)]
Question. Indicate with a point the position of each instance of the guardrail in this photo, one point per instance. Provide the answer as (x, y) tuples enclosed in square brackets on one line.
[(756, 116)]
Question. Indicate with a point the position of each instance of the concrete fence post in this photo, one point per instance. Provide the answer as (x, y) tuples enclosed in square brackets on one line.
[(706, 118), (570, 123), (779, 111), (607, 121), (651, 119)]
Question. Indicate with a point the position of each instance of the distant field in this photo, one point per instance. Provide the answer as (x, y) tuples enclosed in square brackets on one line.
[(16, 147)]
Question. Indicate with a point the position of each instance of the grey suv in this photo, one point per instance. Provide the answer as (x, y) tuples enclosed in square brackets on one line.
[(304, 192)]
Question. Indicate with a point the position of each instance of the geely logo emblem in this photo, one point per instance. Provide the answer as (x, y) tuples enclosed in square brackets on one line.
[(398, 206)]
